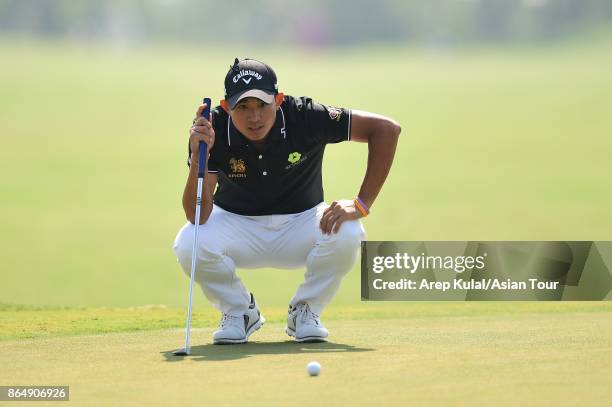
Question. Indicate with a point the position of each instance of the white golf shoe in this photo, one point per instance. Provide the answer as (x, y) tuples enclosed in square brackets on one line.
[(304, 325), (237, 329)]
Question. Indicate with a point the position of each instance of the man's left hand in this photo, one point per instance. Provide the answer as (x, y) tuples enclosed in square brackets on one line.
[(338, 212)]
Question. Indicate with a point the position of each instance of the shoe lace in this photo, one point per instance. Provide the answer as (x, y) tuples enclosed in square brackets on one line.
[(226, 319), (306, 314)]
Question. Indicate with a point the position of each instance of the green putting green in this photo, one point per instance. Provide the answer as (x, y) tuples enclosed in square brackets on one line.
[(451, 353)]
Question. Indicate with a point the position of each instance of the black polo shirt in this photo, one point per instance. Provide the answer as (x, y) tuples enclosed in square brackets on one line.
[(285, 177)]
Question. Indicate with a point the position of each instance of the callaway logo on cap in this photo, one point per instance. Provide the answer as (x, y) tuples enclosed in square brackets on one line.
[(250, 78)]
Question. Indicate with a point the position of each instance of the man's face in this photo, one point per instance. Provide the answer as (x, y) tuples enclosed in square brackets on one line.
[(254, 118)]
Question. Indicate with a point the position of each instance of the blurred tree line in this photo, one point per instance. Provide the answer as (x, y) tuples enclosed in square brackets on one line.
[(311, 23)]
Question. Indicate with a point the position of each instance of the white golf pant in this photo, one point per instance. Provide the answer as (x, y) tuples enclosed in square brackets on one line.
[(228, 240)]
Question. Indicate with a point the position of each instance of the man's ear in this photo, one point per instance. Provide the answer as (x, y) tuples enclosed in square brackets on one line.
[(278, 99), (225, 105)]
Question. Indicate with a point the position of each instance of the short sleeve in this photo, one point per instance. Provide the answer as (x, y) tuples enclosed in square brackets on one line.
[(212, 161), (327, 124)]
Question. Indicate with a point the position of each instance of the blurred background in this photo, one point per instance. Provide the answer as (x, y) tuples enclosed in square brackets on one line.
[(505, 107), (316, 23)]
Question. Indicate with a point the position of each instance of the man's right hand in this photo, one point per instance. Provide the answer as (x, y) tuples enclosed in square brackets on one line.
[(201, 130)]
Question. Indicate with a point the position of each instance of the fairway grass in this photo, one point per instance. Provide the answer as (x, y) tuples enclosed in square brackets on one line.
[(556, 356), (496, 145)]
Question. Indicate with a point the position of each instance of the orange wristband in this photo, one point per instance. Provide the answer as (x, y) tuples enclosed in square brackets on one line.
[(361, 207)]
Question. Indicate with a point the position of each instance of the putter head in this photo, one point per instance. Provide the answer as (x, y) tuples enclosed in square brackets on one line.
[(181, 352)]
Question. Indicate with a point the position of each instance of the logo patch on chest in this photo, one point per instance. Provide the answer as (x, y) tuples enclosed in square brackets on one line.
[(294, 159), (237, 168)]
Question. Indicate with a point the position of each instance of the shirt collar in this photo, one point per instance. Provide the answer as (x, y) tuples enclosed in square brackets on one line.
[(277, 132)]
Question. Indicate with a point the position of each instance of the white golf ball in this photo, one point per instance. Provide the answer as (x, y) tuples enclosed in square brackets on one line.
[(313, 368)]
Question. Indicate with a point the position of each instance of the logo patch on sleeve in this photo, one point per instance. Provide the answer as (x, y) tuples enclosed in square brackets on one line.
[(335, 113)]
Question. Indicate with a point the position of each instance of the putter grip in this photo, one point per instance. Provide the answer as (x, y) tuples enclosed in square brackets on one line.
[(203, 146)]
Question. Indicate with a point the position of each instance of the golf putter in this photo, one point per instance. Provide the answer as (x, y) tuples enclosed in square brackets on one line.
[(201, 168)]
